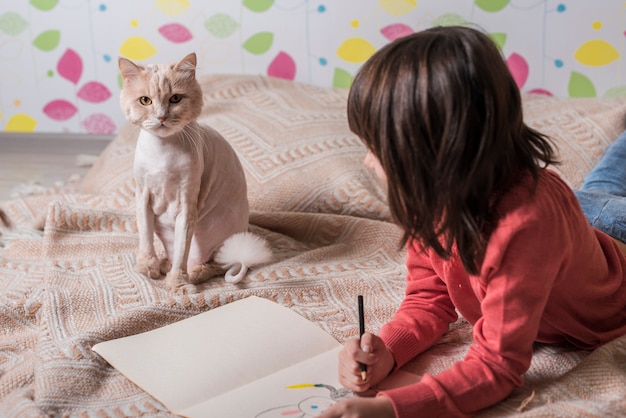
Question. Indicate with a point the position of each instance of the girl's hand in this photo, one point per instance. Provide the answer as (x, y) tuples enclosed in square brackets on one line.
[(372, 352), (379, 407)]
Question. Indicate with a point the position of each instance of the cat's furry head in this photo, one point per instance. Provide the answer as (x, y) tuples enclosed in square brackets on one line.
[(161, 98)]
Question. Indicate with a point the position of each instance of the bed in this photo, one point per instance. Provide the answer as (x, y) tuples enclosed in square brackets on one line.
[(72, 285)]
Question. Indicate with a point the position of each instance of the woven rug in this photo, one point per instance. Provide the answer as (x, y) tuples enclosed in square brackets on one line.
[(72, 285)]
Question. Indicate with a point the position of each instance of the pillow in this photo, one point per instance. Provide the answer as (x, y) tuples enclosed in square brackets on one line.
[(581, 129), (299, 155), (293, 142)]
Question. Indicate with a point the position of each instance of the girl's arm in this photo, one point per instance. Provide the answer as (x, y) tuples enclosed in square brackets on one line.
[(515, 284), (425, 313)]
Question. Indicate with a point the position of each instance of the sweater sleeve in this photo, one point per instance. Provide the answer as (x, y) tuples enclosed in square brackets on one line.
[(425, 313), (513, 289)]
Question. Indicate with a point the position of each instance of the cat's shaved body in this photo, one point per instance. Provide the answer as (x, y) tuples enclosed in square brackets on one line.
[(190, 186)]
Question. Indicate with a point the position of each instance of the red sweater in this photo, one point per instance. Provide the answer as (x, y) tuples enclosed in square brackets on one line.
[(547, 276)]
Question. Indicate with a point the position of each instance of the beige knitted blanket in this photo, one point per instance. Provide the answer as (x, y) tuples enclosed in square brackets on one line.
[(71, 286)]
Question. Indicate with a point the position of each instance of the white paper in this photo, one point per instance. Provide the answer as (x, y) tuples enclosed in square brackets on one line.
[(250, 358), (303, 390), (241, 355)]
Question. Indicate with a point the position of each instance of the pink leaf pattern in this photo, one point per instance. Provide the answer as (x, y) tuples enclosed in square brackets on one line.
[(60, 110), (94, 92), (70, 66), (283, 66), (540, 91), (99, 123), (175, 32), (519, 69), (395, 31)]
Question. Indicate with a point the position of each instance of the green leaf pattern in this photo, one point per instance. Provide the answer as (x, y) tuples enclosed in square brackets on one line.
[(258, 6), (12, 23), (221, 25), (259, 43), (44, 5), (47, 40)]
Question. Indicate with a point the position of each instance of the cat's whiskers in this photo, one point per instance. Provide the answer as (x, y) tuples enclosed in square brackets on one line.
[(192, 134)]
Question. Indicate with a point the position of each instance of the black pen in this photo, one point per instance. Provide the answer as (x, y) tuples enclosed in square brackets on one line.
[(361, 332)]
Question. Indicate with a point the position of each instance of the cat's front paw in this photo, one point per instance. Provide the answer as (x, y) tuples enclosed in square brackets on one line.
[(177, 281), (185, 289), (148, 265), (203, 272), (165, 266)]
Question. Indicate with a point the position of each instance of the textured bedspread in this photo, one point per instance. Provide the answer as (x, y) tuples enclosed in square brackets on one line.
[(66, 288)]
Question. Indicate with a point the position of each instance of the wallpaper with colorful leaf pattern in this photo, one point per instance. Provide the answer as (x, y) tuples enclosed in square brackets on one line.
[(58, 58)]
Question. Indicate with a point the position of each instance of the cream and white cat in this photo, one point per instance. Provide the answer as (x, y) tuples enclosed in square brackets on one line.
[(190, 185)]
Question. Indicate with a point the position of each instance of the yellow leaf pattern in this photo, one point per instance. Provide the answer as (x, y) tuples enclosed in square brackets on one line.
[(596, 53)]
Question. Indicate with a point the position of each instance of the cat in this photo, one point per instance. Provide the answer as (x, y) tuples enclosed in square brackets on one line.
[(190, 185)]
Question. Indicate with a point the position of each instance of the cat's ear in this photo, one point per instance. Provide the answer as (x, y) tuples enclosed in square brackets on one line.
[(188, 65), (128, 69)]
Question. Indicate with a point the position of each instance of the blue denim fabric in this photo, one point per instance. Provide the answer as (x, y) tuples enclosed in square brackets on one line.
[(602, 195)]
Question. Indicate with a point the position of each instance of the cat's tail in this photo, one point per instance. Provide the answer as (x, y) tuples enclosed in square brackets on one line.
[(240, 252)]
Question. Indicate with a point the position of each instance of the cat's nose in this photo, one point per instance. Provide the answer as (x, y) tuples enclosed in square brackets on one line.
[(162, 118)]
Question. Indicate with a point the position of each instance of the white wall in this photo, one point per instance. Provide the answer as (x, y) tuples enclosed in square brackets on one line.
[(58, 58)]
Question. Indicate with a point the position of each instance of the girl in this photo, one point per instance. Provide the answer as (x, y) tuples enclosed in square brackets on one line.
[(491, 233)]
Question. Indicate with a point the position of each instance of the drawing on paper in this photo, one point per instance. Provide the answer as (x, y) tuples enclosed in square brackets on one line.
[(311, 406)]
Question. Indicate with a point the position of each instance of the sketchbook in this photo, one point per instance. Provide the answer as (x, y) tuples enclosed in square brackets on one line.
[(250, 358)]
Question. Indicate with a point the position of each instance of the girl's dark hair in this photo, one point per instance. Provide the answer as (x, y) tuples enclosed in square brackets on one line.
[(442, 113)]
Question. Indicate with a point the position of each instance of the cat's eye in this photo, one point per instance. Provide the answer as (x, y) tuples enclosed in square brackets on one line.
[(176, 98), (145, 100)]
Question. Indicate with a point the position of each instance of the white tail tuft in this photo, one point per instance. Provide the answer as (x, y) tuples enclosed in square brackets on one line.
[(240, 252)]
